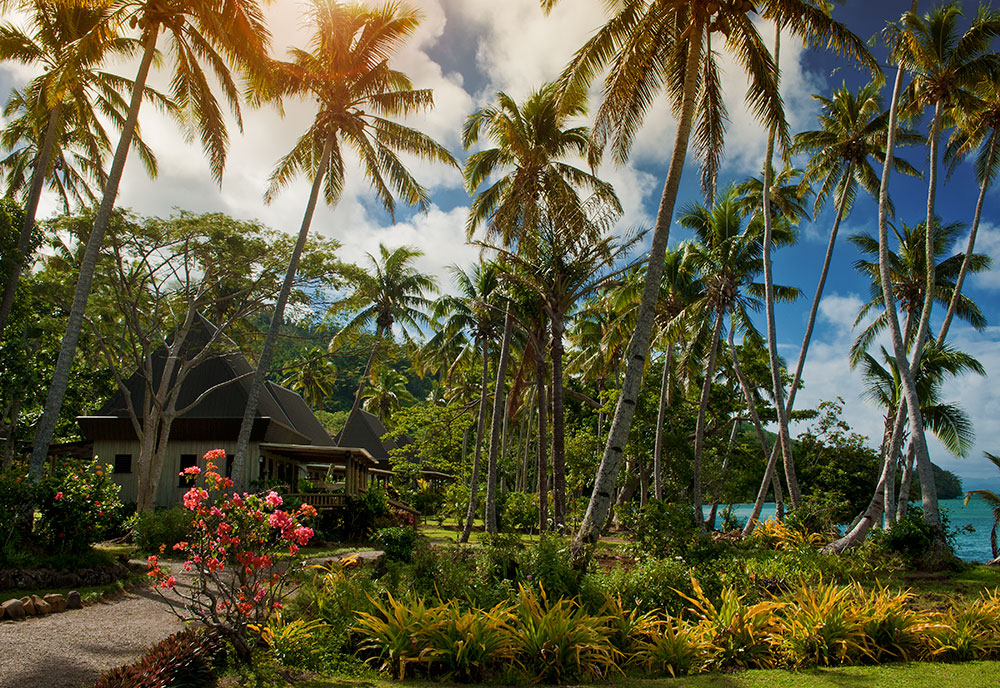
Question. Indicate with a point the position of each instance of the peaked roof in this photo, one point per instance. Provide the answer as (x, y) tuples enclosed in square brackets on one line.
[(228, 376), (364, 429)]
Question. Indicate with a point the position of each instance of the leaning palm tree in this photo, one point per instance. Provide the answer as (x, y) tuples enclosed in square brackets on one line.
[(348, 75), (993, 500), (56, 115), (216, 33), (728, 255), (663, 45), (945, 64)]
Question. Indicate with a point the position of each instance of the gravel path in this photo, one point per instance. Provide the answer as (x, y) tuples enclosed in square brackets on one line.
[(70, 649)]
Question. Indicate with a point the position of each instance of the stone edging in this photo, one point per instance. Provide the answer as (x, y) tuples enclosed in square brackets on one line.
[(15, 609)]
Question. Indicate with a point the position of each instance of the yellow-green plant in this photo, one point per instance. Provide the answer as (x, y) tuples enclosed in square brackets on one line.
[(820, 626), (742, 633), (292, 643), (969, 630), (890, 630), (775, 534), (675, 647), (628, 627), (559, 641), (393, 634), (464, 645)]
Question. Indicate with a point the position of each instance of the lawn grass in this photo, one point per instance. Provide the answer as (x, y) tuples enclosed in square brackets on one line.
[(912, 675)]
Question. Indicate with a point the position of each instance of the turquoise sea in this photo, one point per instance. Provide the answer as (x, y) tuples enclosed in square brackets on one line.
[(973, 546)]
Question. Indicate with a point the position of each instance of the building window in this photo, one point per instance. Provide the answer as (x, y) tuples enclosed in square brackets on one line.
[(229, 465), (187, 460), (123, 463)]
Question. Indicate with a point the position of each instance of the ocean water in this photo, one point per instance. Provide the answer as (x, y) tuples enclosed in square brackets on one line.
[(974, 546)]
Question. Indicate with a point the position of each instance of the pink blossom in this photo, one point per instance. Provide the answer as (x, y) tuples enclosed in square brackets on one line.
[(273, 499), (302, 534), (215, 454), (279, 519), (191, 470), (169, 583), (194, 497), (59, 495)]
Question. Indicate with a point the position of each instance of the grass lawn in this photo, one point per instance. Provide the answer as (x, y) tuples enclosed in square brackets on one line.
[(915, 675)]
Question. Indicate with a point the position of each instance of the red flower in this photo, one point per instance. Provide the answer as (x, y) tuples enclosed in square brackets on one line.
[(59, 495)]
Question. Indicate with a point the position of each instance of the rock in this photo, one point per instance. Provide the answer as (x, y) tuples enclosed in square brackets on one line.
[(12, 609), (73, 600), (41, 606), (29, 606), (57, 602), (67, 580)]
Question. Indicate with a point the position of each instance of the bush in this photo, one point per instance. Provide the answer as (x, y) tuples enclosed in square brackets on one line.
[(161, 529), (364, 513), (78, 503), (547, 566), (650, 585), (184, 660), (521, 511), (663, 529), (16, 490), (397, 542)]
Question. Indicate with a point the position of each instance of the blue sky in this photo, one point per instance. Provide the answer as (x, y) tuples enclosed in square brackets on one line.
[(467, 50)]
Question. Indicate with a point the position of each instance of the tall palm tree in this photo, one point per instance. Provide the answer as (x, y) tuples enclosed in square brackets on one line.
[(58, 109), (473, 315), (216, 33), (729, 257), (535, 184), (993, 500), (390, 291), (347, 73), (976, 133), (945, 64), (387, 394), (665, 45), (311, 375)]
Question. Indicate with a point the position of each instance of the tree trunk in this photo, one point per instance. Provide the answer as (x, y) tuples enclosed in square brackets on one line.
[(267, 352), (64, 363), (558, 425), (607, 473), (699, 431), (498, 418), (710, 521), (541, 464), (903, 505), (478, 451), (963, 271), (660, 420), (772, 344), (30, 211)]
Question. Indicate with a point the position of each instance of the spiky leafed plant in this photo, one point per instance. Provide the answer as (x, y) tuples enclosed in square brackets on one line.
[(359, 96), (654, 46), (203, 35)]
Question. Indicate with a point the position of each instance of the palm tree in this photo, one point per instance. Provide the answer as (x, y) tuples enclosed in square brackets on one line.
[(665, 45), (387, 394), (993, 500), (976, 132), (391, 291), (347, 73), (728, 256), (311, 375), (530, 144), (474, 316), (945, 65), (58, 110), (213, 32)]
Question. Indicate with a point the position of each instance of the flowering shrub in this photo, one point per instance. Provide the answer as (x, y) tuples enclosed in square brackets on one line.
[(79, 504), (239, 580)]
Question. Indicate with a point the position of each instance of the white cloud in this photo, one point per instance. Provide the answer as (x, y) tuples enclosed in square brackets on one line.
[(988, 242)]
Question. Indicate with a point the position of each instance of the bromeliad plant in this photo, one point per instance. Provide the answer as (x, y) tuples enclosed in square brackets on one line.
[(239, 580)]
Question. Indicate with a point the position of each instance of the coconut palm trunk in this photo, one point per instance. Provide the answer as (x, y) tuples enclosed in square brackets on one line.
[(607, 473), (477, 453), (498, 413), (903, 506), (661, 416), (558, 425), (67, 350), (30, 210), (699, 430), (542, 463), (277, 318), (973, 231)]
